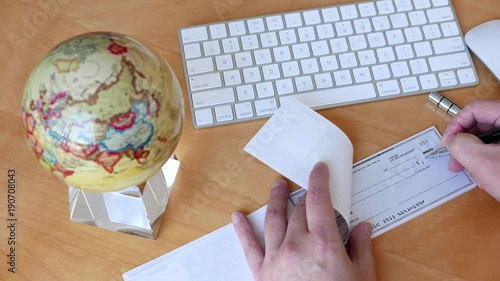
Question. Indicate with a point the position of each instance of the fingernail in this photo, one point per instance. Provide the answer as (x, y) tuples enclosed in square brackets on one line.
[(449, 139), (278, 183), (367, 228), (236, 217), (321, 166)]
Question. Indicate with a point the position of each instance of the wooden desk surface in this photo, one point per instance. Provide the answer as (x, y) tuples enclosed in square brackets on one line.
[(457, 241)]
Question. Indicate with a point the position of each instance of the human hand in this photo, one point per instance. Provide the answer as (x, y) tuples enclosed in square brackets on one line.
[(467, 151), (308, 246)]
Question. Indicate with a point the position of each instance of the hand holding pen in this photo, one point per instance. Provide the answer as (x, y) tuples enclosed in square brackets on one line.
[(468, 151)]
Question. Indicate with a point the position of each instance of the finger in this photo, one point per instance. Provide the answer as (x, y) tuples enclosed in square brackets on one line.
[(478, 116), (254, 252), (480, 159), (275, 223), (319, 209), (360, 251), (297, 224)]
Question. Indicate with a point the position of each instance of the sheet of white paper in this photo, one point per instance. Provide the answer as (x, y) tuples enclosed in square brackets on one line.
[(295, 139), (389, 188)]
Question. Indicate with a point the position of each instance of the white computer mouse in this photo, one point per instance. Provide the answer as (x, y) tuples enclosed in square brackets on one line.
[(484, 41)]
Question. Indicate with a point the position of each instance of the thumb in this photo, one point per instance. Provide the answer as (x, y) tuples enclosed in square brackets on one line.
[(468, 150), (360, 251)]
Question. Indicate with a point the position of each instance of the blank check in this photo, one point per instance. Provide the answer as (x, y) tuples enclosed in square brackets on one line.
[(387, 189)]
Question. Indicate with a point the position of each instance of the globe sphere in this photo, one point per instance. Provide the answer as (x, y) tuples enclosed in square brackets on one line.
[(102, 112)]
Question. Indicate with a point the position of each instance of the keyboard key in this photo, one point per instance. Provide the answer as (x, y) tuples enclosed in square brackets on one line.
[(451, 61), (367, 57), (335, 95), (418, 66), (428, 81), (311, 17), (290, 69), (265, 107), (348, 12), (282, 54), (232, 77), (362, 75), (274, 23), (262, 56), (399, 21), (192, 51), (199, 66), (381, 23), (323, 80), (448, 45), (348, 60), (325, 31), (339, 45), (381, 72), (357, 42), (437, 3), (440, 14), (243, 110), (328, 63), (251, 75), (269, 39), (330, 14), (301, 51), (362, 26), (417, 18), (367, 9), (394, 37), (304, 83), (385, 7), (422, 4), (385, 54), (403, 5), (293, 20), (320, 48), (245, 92), (306, 34), (213, 97), (243, 59), (271, 71), (413, 34), (288, 37), (466, 76), (409, 84), (249, 42), (388, 88), (342, 77), (450, 29), (230, 45), (343, 28), (211, 48), (284, 86), (309, 66), (194, 34), (431, 31), (224, 62), (400, 69), (203, 116), (447, 79), (265, 89), (204, 82), (223, 113), (218, 31), (255, 25), (376, 39), (404, 52), (237, 28), (422, 49)]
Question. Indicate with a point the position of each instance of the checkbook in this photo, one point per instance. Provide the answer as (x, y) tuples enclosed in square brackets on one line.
[(386, 189)]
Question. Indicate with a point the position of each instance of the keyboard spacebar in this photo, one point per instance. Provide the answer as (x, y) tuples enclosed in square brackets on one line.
[(334, 95)]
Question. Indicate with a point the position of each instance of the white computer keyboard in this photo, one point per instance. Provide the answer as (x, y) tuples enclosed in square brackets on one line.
[(364, 51)]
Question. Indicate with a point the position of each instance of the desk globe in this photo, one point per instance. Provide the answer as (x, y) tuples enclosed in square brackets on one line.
[(103, 113)]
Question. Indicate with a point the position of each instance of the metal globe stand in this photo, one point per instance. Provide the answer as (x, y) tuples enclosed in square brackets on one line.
[(136, 210)]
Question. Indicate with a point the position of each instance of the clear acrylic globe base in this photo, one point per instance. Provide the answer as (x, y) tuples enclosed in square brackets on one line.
[(137, 210)]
